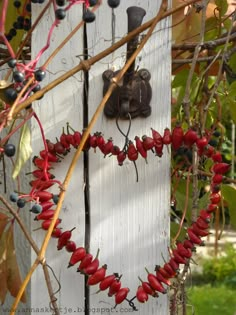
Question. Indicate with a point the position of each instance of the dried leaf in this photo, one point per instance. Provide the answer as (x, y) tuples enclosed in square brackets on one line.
[(3, 267), (3, 222), (24, 150), (14, 280)]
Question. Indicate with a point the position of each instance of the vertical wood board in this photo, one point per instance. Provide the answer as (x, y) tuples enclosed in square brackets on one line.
[(130, 220), (63, 104)]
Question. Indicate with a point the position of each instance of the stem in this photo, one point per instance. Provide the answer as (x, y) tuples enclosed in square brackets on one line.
[(4, 140), (45, 146), (3, 17), (53, 299), (185, 209)]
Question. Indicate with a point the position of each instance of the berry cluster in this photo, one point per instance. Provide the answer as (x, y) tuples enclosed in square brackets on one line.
[(22, 73), (23, 21), (156, 282)]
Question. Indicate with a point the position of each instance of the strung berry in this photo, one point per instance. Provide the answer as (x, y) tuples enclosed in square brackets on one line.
[(61, 3), (18, 76), (34, 1), (12, 63), (92, 3), (60, 14), (9, 150), (88, 16), (41, 1), (37, 208), (113, 3), (70, 246), (39, 75), (21, 203), (17, 4), (14, 197)]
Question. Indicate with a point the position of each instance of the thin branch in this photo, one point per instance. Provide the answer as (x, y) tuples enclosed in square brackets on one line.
[(218, 78)]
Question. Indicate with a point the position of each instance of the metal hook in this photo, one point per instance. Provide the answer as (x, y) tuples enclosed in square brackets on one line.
[(134, 94)]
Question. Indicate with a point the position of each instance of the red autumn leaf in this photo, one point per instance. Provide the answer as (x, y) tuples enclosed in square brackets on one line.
[(14, 280), (3, 221)]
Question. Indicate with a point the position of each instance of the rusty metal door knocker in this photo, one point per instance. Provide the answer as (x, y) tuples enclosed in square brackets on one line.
[(134, 93)]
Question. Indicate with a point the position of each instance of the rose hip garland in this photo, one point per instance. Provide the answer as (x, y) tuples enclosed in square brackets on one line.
[(88, 265)]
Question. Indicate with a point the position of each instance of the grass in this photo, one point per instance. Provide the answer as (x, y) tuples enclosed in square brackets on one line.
[(208, 300)]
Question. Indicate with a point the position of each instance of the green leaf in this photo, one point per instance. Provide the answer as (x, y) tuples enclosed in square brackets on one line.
[(24, 150), (222, 6), (174, 227), (229, 194)]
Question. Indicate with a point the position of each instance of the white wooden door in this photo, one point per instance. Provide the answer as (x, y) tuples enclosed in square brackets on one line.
[(127, 220)]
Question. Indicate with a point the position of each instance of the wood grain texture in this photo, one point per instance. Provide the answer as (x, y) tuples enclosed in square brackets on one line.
[(64, 104), (129, 220)]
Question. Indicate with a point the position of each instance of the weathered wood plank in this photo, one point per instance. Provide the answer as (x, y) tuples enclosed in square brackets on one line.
[(63, 104)]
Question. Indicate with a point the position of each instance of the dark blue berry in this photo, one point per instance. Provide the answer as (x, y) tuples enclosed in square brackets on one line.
[(92, 2), (9, 150), (8, 37), (88, 16), (36, 88), (113, 3), (39, 75), (14, 197), (36, 208), (55, 198), (28, 7), (12, 32), (21, 203), (12, 63), (41, 1), (60, 14), (34, 1), (213, 143), (216, 133), (18, 76), (20, 19), (61, 3), (17, 4), (10, 94)]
